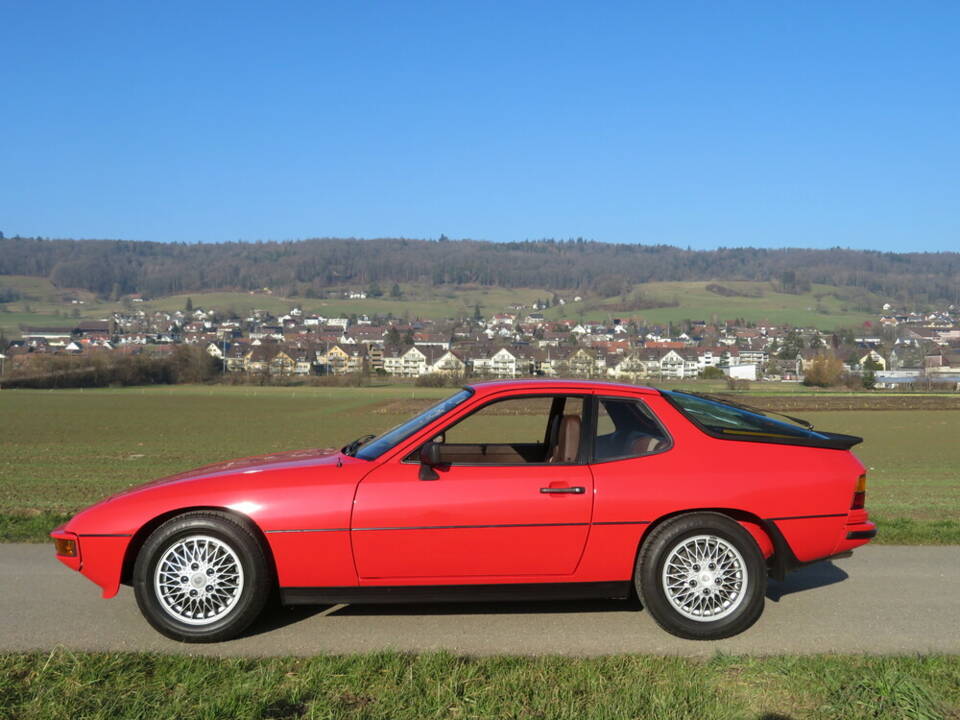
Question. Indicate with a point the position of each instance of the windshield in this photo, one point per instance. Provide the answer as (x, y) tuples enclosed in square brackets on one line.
[(391, 438), (732, 421)]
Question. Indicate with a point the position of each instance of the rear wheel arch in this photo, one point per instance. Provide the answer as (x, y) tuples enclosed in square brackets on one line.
[(750, 522), (145, 530)]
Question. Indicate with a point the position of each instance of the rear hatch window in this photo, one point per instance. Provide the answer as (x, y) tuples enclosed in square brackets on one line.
[(737, 423)]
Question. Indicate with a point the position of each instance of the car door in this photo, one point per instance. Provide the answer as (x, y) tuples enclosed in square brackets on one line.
[(513, 498), (630, 461)]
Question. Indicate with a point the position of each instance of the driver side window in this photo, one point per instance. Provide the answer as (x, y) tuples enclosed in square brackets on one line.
[(515, 431)]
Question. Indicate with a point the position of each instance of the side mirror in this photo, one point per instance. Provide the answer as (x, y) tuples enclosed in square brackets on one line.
[(429, 459)]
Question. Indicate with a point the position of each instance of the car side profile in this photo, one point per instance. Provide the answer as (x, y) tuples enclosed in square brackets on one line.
[(506, 490)]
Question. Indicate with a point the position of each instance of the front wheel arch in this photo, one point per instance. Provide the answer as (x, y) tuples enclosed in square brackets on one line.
[(141, 535)]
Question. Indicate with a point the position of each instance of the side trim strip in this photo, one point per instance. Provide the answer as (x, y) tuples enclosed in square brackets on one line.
[(807, 517), (269, 532), (472, 527), (461, 527), (104, 535), (618, 589)]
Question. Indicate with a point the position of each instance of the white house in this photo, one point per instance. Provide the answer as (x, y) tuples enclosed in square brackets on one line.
[(448, 364), (410, 363), (675, 365), (501, 364)]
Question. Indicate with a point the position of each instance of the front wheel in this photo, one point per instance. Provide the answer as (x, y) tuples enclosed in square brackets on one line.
[(201, 577), (702, 577)]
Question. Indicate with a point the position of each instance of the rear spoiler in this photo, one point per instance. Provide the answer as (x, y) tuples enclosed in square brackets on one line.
[(837, 441)]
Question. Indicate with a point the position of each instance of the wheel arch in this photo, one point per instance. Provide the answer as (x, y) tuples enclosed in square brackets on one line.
[(772, 545), (141, 535)]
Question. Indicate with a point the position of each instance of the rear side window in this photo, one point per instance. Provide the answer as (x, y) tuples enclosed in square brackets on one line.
[(736, 423), (626, 429)]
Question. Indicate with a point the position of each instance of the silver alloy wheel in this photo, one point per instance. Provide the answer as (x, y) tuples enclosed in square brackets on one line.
[(198, 579), (704, 578)]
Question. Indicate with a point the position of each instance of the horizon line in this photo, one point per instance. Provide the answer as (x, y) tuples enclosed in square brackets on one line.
[(444, 238)]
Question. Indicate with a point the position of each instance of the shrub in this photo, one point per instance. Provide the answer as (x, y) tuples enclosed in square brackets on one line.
[(434, 380), (824, 371), (738, 384)]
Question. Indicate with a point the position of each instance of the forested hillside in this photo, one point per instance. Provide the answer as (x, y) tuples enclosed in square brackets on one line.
[(112, 268)]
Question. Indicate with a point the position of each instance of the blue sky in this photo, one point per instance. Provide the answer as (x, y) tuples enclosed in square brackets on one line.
[(700, 123)]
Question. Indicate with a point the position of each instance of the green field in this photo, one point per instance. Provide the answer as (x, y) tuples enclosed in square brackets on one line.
[(61, 450), (824, 307), (47, 307), (416, 302), (439, 685)]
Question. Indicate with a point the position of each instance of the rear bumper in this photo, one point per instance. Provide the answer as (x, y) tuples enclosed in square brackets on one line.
[(857, 531), (855, 535)]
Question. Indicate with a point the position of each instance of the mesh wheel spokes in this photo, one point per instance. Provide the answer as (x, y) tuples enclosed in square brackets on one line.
[(198, 579), (704, 578)]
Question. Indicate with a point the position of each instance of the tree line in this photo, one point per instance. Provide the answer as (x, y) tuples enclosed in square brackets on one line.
[(112, 268), (186, 364)]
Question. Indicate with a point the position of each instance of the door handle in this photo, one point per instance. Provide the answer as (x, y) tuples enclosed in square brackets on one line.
[(578, 490)]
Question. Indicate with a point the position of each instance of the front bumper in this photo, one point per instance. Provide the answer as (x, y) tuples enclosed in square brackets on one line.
[(99, 558)]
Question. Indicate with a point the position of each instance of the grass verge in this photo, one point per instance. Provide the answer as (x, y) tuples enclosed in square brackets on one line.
[(907, 531), (441, 685), (34, 527)]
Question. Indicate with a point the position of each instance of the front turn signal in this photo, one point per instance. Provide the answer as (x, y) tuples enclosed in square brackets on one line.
[(65, 547), (860, 493)]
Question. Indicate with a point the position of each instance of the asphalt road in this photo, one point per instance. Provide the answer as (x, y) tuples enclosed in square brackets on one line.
[(882, 600)]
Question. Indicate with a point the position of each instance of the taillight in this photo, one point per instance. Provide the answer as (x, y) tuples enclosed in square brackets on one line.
[(860, 494)]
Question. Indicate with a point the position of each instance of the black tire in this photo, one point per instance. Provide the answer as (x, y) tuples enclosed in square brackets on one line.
[(677, 616), (240, 595)]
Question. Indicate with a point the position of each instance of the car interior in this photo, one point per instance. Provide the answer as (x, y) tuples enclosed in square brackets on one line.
[(548, 430), (625, 428)]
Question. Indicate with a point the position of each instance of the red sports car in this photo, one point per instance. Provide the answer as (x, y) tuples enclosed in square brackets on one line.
[(513, 490)]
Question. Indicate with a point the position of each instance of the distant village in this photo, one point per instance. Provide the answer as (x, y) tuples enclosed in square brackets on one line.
[(897, 349)]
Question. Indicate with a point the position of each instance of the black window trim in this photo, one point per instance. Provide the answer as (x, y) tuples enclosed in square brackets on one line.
[(585, 432), (595, 414)]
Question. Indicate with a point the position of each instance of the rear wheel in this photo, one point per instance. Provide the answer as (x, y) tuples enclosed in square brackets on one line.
[(702, 577), (201, 577)]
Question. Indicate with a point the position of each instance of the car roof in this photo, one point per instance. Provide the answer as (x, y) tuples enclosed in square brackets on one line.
[(491, 386)]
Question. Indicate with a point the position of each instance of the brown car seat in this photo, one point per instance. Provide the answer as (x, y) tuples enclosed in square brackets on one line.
[(644, 445), (568, 440)]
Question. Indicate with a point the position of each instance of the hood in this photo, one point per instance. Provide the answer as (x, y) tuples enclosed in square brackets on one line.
[(256, 463)]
